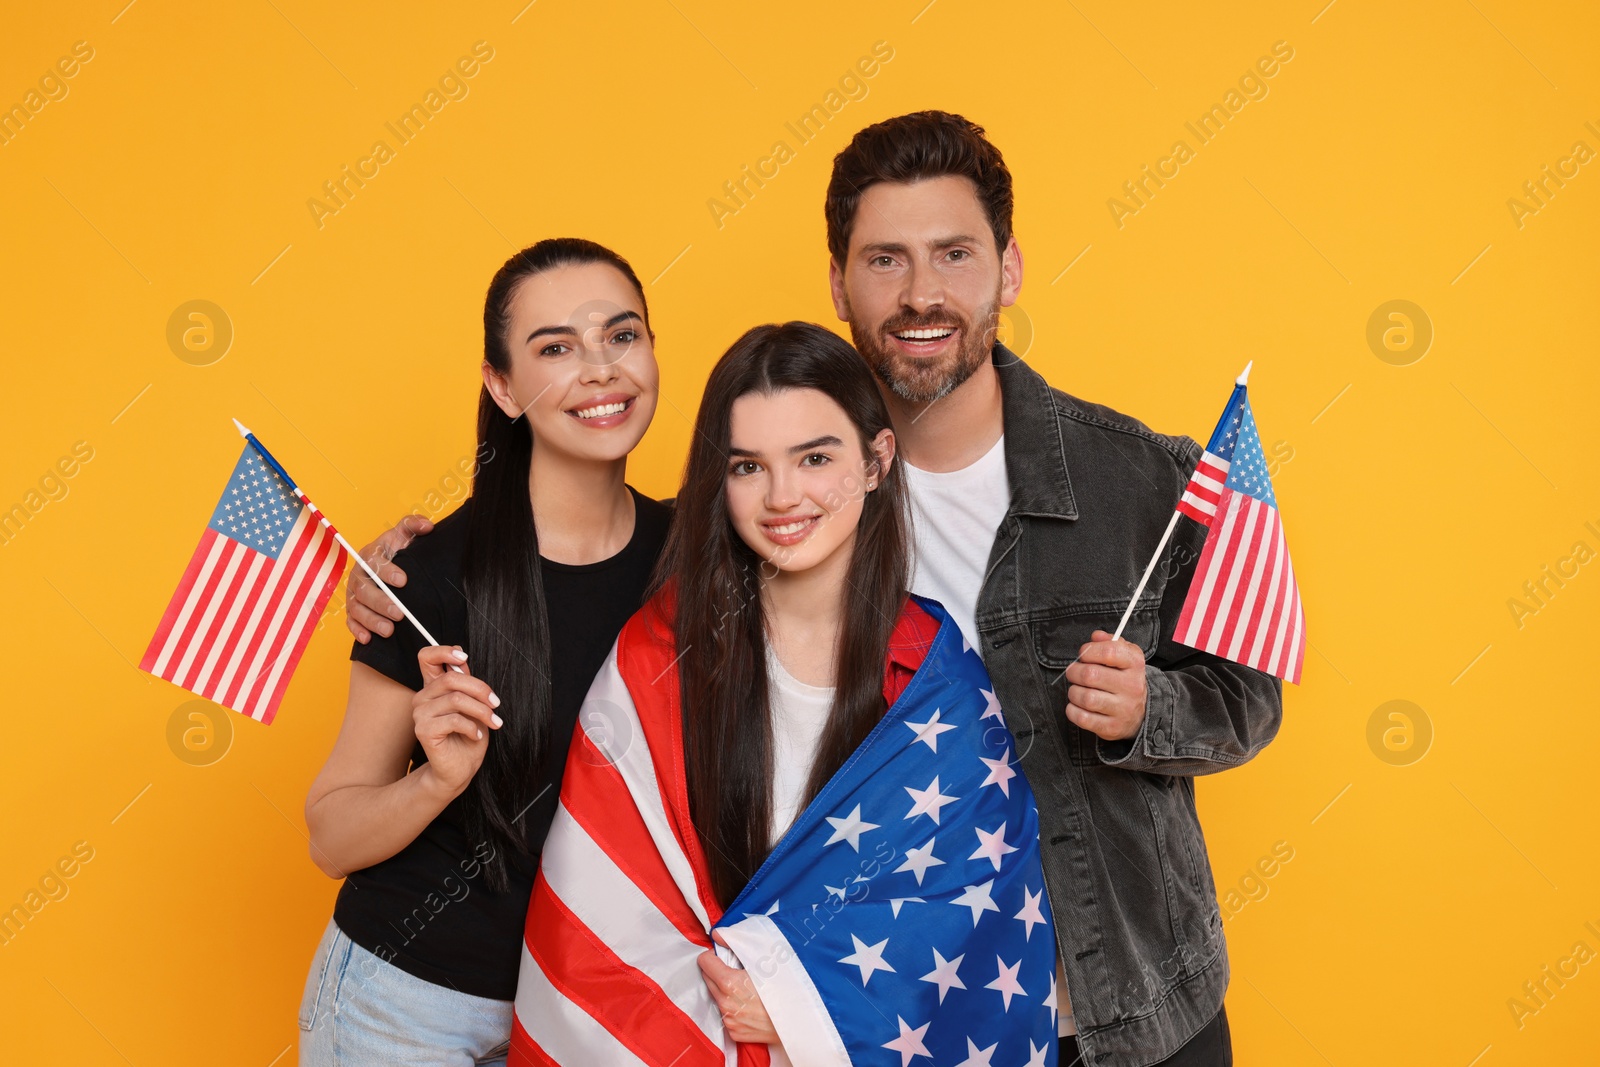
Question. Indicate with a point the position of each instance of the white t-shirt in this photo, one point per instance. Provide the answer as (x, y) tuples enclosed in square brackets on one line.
[(954, 518), (799, 713)]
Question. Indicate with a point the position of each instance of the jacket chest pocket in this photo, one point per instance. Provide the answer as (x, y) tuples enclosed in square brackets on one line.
[(1057, 640)]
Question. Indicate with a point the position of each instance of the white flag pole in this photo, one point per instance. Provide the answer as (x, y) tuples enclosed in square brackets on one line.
[(339, 537), (1244, 377)]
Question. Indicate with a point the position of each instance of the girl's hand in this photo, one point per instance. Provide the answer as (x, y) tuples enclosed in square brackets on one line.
[(453, 715), (743, 1014)]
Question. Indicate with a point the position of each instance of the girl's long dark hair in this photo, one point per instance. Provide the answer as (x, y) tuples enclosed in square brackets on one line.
[(508, 629), (720, 624)]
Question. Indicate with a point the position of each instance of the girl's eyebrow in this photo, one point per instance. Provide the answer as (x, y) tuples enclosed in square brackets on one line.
[(826, 441)]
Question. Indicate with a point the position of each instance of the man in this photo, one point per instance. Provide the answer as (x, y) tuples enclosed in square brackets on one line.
[(1034, 515)]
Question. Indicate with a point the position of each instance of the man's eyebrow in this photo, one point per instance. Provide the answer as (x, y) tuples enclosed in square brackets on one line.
[(826, 441), (879, 247), (565, 330)]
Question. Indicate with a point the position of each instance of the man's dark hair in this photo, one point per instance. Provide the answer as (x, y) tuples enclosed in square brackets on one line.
[(909, 148)]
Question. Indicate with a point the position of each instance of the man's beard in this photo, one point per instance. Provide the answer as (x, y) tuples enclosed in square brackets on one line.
[(922, 380)]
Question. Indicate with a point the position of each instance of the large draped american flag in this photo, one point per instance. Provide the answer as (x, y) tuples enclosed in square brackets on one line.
[(251, 595), (1243, 603), (893, 924)]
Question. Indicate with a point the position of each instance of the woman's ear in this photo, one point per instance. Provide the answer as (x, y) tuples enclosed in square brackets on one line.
[(500, 390), (882, 458)]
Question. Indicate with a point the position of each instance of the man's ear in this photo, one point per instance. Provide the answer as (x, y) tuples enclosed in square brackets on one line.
[(841, 302), (1010, 272), (500, 390), (883, 451)]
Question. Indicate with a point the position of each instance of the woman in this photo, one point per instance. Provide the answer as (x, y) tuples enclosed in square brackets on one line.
[(750, 778), (434, 803)]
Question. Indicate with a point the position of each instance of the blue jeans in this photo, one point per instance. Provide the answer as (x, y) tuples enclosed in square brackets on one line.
[(358, 1009)]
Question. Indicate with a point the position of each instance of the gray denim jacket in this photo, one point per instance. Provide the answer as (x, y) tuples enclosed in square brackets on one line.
[(1135, 907)]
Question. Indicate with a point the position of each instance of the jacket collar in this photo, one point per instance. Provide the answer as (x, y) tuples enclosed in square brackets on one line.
[(1036, 456)]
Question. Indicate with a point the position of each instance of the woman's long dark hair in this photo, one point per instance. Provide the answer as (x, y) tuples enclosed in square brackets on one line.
[(508, 629), (720, 623)]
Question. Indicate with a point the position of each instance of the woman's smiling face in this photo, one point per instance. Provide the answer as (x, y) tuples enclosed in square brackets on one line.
[(583, 366), (798, 477)]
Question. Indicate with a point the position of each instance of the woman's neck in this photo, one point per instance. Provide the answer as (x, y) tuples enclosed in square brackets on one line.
[(582, 509), (804, 614)]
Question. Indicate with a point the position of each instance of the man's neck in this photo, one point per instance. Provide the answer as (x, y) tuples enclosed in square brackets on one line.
[(953, 432)]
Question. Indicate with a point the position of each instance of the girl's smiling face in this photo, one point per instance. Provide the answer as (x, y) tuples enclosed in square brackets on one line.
[(583, 366), (798, 476)]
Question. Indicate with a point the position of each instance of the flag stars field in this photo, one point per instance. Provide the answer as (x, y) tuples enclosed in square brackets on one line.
[(918, 860), (1030, 913), (978, 899), (992, 845), (944, 974), (928, 801), (1006, 981), (977, 1057), (928, 732), (868, 957)]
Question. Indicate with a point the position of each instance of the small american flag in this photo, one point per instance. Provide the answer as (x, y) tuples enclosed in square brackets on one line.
[(1243, 603), (251, 595)]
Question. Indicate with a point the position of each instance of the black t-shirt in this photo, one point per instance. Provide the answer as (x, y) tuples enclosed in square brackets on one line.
[(428, 909)]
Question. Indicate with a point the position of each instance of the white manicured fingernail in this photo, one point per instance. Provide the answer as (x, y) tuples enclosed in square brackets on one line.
[(458, 655), (497, 720), (494, 701)]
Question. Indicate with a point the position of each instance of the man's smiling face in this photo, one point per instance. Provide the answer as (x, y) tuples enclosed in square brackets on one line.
[(923, 284)]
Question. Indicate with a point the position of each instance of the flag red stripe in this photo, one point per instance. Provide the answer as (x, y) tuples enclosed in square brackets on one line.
[(229, 548), (219, 618), (219, 670), (284, 568), (659, 1038), (1194, 601), (1271, 595), (619, 829), (175, 605), (1195, 513), (284, 620), (1281, 630), (305, 626), (1282, 604), (1243, 603), (1217, 573)]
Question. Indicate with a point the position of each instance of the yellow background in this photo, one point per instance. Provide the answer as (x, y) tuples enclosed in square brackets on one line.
[(1421, 895)]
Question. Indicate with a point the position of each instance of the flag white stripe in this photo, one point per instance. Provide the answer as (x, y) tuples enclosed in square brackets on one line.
[(202, 684), (1200, 477), (1208, 580), (1281, 630), (275, 578), (1264, 627), (610, 695), (235, 554), (1227, 605), (175, 635), (1289, 593), (1252, 604), (290, 580), (793, 1002), (302, 619), (1299, 645), (1293, 650), (618, 913), (1201, 504), (567, 1033)]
